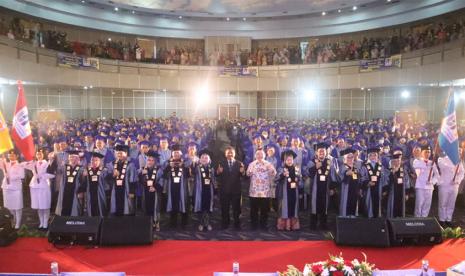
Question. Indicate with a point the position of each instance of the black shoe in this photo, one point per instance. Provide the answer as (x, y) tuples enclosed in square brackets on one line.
[(264, 227), (224, 226)]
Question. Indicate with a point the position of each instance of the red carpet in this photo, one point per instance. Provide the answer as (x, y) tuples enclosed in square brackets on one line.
[(203, 258)]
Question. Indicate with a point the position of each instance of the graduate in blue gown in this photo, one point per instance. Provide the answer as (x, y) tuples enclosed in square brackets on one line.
[(150, 180), (175, 174), (374, 181), (95, 185), (398, 184), (122, 183), (349, 179), (204, 188), (70, 194)]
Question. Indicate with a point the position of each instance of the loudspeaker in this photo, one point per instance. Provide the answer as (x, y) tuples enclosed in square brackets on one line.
[(7, 234), (421, 231), (362, 232), (127, 230), (74, 230)]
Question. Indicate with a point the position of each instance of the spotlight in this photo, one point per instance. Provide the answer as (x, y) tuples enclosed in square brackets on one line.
[(201, 96), (339, 11), (323, 13), (405, 94), (91, 86), (244, 19), (363, 88), (85, 88), (354, 8), (109, 39), (227, 18), (309, 95), (116, 9), (180, 17), (133, 12), (83, 2)]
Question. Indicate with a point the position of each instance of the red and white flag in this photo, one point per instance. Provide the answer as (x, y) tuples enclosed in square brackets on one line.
[(21, 131)]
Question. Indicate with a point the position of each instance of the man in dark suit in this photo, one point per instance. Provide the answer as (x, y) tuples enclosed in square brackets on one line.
[(229, 174)]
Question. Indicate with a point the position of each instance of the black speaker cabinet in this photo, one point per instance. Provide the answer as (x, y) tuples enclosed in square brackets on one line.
[(127, 230), (362, 232), (7, 234), (420, 231), (74, 230)]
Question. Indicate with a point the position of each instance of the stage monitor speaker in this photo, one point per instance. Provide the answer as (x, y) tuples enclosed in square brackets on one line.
[(362, 232), (74, 230), (7, 234), (127, 230), (421, 231)]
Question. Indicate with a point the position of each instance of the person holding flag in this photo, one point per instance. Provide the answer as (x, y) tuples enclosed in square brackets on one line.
[(450, 166)]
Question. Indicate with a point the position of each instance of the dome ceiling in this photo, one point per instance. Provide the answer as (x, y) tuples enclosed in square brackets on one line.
[(239, 8)]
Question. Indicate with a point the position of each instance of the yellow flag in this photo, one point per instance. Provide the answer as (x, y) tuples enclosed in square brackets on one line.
[(5, 140)]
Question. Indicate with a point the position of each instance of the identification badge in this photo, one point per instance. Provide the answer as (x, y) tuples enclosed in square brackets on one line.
[(293, 185), (374, 178), (322, 177), (176, 179), (150, 183), (70, 179), (354, 176), (207, 181), (119, 182), (400, 181), (94, 178)]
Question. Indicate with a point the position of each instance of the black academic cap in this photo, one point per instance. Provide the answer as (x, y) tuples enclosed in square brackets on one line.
[(288, 153), (347, 151), (121, 147), (205, 151), (153, 154), (97, 154), (373, 150)]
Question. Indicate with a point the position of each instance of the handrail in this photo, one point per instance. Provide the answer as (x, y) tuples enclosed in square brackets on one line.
[(421, 53)]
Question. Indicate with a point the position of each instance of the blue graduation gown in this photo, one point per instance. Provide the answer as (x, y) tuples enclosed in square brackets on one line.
[(203, 193), (321, 182), (120, 203), (373, 194), (95, 191), (68, 203)]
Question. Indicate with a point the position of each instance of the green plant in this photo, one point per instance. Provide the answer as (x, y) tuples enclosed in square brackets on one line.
[(453, 233), (24, 231)]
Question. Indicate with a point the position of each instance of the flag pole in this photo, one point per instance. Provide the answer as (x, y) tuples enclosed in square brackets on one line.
[(436, 144)]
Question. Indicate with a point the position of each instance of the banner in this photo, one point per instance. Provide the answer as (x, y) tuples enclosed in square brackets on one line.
[(5, 139), (449, 137), (72, 61), (370, 65), (21, 130), (238, 71)]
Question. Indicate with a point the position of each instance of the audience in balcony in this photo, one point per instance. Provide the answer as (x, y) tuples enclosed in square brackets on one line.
[(316, 52)]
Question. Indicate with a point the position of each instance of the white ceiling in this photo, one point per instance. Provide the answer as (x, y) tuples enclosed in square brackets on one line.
[(241, 8)]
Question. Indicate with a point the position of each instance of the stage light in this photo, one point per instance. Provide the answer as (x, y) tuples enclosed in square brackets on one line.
[(354, 8), (83, 2), (309, 95), (405, 94), (201, 96), (109, 39), (323, 13), (363, 88), (116, 9), (133, 12), (85, 87), (91, 86)]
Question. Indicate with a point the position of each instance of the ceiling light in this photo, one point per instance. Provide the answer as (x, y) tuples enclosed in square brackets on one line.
[(91, 87), (339, 11), (405, 94), (323, 13), (133, 12), (363, 88), (116, 9), (83, 1), (227, 19), (85, 87), (354, 8), (109, 39), (180, 17), (244, 19)]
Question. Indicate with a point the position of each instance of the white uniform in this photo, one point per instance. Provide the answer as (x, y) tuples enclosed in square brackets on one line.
[(40, 185), (424, 185), (12, 187), (448, 187)]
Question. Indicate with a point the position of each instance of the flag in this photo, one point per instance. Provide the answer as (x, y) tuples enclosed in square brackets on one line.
[(21, 130), (5, 139), (449, 137)]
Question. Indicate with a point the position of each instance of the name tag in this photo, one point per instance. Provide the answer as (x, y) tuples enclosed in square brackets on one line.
[(293, 185), (207, 181), (119, 182), (70, 179), (94, 178), (400, 181), (354, 176), (374, 178), (322, 177), (150, 183), (176, 179)]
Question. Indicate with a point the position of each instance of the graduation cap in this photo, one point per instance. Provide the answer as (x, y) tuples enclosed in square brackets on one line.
[(97, 154), (121, 147), (144, 143), (321, 145), (373, 150), (287, 153), (425, 147), (153, 154), (175, 147), (396, 156), (73, 152), (192, 144), (101, 138), (205, 151), (347, 151)]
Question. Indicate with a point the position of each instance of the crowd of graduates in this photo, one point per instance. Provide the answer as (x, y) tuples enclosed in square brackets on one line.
[(293, 167)]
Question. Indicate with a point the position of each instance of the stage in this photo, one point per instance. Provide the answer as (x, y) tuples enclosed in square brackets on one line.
[(205, 257)]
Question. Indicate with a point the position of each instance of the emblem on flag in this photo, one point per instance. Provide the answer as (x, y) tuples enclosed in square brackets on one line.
[(449, 128)]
